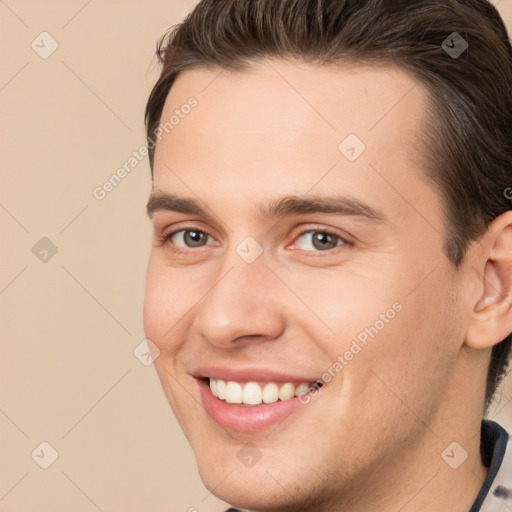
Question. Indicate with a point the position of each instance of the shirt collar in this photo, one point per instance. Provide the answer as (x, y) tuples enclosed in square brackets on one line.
[(496, 453)]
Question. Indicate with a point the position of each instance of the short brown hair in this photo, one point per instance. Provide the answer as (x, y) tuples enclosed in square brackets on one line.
[(468, 137)]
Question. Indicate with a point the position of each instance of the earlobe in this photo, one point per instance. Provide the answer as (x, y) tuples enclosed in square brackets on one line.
[(491, 321)]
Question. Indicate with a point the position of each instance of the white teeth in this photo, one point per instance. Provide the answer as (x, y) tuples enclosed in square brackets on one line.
[(221, 389), (270, 393), (233, 393), (301, 388), (251, 393), (286, 391)]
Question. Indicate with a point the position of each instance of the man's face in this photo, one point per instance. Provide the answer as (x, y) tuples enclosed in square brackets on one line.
[(271, 295)]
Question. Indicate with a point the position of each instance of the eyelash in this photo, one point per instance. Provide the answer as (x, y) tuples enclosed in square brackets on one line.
[(166, 240)]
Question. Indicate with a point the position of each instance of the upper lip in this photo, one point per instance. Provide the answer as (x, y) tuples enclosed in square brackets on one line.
[(249, 374)]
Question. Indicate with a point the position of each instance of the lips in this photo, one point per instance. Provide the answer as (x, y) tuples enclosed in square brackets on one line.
[(252, 400)]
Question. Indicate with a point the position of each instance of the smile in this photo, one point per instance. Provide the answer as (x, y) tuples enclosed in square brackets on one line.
[(254, 393), (239, 404)]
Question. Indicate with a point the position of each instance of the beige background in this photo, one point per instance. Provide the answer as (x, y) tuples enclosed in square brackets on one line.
[(70, 324)]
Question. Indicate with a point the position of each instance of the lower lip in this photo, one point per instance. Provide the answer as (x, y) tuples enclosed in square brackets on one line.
[(246, 418)]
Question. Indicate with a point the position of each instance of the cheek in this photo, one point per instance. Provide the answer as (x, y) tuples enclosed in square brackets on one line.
[(163, 307), (343, 304), (155, 304), (382, 326), (413, 358)]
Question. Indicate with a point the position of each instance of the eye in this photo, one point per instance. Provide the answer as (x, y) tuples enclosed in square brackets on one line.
[(319, 240), (187, 238)]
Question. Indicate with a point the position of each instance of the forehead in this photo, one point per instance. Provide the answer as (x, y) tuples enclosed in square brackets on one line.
[(330, 98), (283, 125)]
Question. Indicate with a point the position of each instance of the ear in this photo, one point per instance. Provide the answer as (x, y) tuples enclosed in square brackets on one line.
[(491, 321)]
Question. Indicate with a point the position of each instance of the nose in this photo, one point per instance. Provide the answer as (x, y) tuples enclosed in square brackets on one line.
[(243, 303)]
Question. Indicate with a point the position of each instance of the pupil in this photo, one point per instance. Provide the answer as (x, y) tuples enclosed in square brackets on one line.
[(322, 239), (194, 237)]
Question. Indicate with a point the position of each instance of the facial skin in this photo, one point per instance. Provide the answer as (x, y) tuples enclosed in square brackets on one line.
[(373, 436)]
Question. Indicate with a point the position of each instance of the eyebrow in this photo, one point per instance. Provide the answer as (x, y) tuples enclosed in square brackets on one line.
[(284, 207), (160, 201)]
